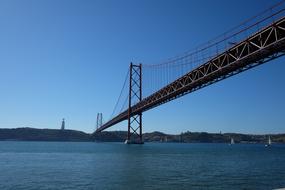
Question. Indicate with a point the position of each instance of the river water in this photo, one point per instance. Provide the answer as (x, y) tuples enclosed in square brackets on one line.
[(77, 165)]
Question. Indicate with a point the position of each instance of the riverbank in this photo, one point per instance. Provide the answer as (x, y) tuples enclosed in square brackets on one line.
[(33, 134)]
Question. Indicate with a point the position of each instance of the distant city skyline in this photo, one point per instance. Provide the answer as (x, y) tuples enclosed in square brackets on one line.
[(69, 58)]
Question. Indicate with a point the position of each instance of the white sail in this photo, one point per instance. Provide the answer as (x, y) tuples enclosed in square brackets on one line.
[(269, 142), (232, 141)]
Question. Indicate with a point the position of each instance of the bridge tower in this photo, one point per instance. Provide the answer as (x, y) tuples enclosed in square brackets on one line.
[(99, 121), (135, 96)]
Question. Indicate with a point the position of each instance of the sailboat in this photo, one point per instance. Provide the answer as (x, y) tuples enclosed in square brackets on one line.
[(232, 141), (269, 141)]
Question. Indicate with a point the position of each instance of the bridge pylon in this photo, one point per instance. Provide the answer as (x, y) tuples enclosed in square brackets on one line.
[(135, 96), (99, 121)]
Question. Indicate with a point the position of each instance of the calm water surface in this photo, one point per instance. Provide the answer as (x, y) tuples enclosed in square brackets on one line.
[(73, 165)]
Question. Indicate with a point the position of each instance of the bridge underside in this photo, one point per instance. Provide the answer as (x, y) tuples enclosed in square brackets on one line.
[(261, 47)]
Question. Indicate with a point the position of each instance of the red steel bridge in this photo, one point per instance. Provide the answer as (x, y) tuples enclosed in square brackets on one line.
[(258, 40)]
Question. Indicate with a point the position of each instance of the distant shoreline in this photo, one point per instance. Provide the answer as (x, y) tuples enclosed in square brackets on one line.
[(34, 134)]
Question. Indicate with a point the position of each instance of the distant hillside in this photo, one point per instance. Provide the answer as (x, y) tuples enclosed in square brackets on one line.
[(31, 134), (190, 137), (113, 136)]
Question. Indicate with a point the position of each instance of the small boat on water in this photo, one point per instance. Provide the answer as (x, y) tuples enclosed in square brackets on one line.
[(232, 141), (269, 142)]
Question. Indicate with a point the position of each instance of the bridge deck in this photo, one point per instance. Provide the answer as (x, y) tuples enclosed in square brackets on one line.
[(261, 47)]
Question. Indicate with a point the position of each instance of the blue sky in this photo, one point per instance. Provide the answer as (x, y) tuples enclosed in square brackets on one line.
[(68, 58)]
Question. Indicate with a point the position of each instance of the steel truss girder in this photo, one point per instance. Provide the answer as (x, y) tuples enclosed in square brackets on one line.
[(259, 48)]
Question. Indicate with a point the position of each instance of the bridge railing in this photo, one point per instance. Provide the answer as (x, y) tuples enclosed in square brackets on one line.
[(156, 76)]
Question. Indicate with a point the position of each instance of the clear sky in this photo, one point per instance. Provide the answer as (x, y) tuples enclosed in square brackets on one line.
[(68, 58)]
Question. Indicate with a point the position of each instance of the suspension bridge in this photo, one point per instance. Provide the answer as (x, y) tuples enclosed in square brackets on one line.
[(257, 40)]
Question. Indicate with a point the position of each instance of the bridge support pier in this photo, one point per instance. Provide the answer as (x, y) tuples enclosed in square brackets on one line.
[(135, 96)]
